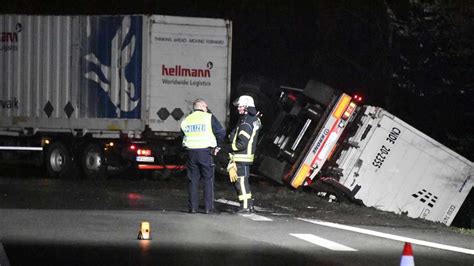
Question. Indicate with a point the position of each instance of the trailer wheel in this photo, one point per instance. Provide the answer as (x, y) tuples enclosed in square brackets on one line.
[(319, 92), (59, 162), (92, 162)]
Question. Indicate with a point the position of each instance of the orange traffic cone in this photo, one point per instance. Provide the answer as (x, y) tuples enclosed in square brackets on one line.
[(407, 256)]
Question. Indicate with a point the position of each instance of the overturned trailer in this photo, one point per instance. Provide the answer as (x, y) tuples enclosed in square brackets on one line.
[(328, 141)]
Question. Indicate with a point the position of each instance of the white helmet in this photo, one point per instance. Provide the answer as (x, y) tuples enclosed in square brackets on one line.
[(244, 100)]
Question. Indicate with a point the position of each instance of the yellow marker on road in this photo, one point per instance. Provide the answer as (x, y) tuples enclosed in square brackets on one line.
[(145, 231)]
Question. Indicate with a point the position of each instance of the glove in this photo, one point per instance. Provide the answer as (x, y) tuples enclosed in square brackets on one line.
[(232, 170)]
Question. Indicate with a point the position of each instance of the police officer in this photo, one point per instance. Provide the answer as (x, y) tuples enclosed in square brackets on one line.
[(244, 143), (202, 132)]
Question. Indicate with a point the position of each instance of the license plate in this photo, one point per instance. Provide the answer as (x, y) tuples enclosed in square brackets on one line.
[(145, 159)]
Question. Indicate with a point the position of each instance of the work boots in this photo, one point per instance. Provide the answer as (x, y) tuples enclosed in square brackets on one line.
[(250, 209), (251, 206)]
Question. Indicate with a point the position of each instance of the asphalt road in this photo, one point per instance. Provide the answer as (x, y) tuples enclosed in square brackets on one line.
[(75, 222)]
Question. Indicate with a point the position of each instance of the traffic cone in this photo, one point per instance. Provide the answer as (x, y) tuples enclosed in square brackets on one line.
[(407, 256), (145, 231)]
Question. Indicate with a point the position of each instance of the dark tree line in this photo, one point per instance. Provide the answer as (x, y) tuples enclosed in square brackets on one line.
[(433, 70), (413, 58)]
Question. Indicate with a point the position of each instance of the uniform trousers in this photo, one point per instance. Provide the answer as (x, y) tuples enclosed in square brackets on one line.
[(200, 166), (242, 185)]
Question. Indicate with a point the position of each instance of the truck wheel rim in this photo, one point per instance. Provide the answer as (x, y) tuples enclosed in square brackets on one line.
[(57, 160), (93, 161)]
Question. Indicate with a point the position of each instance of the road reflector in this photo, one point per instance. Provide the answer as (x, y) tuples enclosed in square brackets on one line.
[(145, 231)]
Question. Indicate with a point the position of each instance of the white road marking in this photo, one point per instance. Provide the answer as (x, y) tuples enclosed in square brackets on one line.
[(256, 217), (251, 216), (228, 202), (236, 204), (390, 236), (323, 242)]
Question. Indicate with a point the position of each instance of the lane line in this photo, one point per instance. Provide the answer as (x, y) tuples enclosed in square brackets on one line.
[(236, 204), (228, 202), (256, 217), (390, 236), (323, 242), (251, 216)]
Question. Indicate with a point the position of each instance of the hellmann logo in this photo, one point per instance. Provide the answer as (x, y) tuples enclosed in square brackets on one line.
[(9, 104), (11, 36), (179, 71)]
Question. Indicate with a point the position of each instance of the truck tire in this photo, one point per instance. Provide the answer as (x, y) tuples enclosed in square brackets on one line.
[(92, 162), (59, 162), (319, 92)]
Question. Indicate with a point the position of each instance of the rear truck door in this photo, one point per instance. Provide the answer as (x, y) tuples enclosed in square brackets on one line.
[(397, 168), (189, 58), (325, 141)]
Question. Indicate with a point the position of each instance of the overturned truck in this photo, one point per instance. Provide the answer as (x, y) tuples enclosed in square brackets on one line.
[(328, 141)]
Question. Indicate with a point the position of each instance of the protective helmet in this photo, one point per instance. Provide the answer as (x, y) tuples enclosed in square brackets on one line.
[(244, 100)]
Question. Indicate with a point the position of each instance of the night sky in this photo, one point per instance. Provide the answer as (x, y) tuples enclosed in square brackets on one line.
[(354, 46)]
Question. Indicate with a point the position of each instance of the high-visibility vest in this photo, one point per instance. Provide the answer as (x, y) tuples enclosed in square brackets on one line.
[(197, 128)]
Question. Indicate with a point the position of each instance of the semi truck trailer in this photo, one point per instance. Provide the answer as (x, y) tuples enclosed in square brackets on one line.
[(93, 93), (329, 141)]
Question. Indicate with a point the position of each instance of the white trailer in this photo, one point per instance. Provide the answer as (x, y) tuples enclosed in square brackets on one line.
[(395, 167), (326, 140), (95, 90)]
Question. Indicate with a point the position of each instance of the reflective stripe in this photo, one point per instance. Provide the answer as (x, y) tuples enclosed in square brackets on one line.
[(250, 146), (246, 155), (242, 185), (245, 196), (234, 146), (245, 134), (243, 157), (243, 190)]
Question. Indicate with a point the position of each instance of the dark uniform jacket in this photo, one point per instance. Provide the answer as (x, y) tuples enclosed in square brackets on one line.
[(244, 137)]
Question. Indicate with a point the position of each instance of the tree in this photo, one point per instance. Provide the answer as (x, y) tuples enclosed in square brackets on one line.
[(433, 88)]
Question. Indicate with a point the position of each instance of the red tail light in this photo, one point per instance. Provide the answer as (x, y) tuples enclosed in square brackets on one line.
[(132, 147), (143, 152)]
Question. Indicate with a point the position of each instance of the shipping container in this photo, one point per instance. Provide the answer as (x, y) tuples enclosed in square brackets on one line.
[(76, 81)]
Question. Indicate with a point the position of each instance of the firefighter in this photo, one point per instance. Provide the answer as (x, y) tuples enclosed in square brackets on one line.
[(244, 143), (202, 134)]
